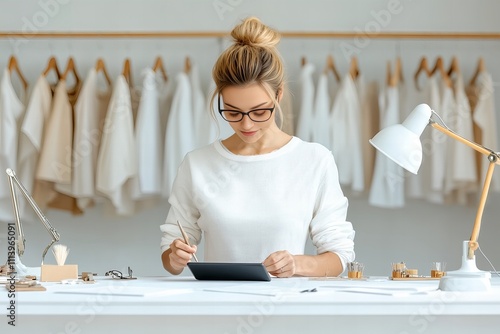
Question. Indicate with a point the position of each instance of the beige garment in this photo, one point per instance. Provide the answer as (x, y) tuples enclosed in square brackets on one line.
[(482, 99), (370, 119), (55, 163), (288, 118)]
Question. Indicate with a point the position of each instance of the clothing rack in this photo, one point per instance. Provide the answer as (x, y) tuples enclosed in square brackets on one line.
[(220, 34)]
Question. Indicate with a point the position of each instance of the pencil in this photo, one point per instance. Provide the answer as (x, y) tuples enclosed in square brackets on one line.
[(186, 239)]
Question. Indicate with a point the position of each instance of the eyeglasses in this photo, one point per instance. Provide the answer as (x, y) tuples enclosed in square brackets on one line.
[(118, 274), (256, 115)]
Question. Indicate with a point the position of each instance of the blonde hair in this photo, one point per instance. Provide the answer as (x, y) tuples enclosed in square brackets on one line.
[(252, 58)]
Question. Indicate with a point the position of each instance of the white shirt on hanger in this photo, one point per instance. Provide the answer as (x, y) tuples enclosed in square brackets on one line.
[(55, 163), (306, 112), (484, 116), (117, 159), (461, 179), (32, 134), (321, 121), (388, 186), (180, 137), (149, 146), (202, 122), (345, 127), (90, 112), (11, 111)]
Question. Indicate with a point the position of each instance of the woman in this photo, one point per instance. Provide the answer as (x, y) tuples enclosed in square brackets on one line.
[(256, 195)]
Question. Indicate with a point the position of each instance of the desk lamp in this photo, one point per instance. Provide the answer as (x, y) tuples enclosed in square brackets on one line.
[(401, 143), (21, 242)]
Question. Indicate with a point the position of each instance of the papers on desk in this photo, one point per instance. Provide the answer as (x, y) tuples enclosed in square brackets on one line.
[(126, 291), (388, 291), (258, 290)]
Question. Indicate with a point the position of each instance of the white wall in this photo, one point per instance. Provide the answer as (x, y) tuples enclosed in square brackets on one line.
[(418, 234)]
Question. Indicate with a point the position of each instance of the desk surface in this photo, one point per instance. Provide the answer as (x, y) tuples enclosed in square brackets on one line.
[(397, 306)]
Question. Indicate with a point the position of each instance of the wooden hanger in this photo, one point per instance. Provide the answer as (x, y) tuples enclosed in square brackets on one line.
[(71, 68), (354, 69), (100, 66), (127, 73), (303, 61), (187, 65), (14, 66), (454, 66), (423, 67), (330, 65), (52, 65), (399, 68), (481, 67), (159, 66), (388, 74), (394, 78), (439, 66)]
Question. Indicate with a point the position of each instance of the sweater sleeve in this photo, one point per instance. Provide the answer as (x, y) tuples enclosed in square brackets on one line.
[(330, 232), (182, 208)]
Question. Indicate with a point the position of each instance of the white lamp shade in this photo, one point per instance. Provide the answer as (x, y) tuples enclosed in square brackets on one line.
[(401, 142)]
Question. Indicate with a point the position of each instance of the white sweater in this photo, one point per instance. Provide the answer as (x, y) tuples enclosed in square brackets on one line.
[(251, 206)]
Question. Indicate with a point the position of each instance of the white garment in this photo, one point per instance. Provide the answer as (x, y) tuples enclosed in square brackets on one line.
[(31, 136), (306, 112), (250, 206), (11, 111), (117, 159), (345, 127), (419, 186), (461, 178), (180, 137), (55, 163), (440, 144), (148, 141), (202, 121), (321, 121), (484, 116), (90, 112), (388, 186)]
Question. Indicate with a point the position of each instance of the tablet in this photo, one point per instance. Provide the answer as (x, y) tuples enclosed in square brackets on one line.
[(227, 271)]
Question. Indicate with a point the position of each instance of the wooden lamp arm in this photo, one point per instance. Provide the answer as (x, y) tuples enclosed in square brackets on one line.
[(493, 159)]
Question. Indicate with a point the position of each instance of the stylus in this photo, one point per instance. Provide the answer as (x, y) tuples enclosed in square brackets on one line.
[(186, 240)]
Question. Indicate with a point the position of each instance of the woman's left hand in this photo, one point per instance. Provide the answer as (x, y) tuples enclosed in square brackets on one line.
[(280, 264)]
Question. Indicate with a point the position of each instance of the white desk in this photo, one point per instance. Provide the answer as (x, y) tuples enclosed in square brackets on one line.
[(329, 310)]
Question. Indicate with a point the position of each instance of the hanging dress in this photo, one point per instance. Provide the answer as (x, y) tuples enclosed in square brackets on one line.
[(388, 186), (148, 140), (461, 178), (482, 99), (306, 111), (31, 138), (345, 129), (89, 115), (180, 137), (321, 130), (11, 112)]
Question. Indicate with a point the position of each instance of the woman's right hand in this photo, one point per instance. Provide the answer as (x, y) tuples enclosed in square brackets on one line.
[(180, 254)]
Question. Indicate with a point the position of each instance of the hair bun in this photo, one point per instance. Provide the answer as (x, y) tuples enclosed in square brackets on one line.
[(253, 32)]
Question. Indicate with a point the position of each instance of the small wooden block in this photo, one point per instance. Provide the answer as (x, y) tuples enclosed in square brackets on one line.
[(55, 273)]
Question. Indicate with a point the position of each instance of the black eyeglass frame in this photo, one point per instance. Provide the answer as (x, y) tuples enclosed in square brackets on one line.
[(243, 114)]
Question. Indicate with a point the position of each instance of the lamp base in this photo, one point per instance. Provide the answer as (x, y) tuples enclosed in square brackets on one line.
[(468, 277)]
